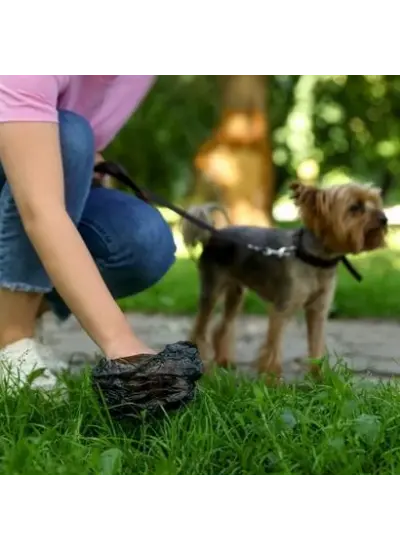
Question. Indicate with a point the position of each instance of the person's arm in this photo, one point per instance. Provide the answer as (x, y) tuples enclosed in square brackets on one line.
[(31, 157)]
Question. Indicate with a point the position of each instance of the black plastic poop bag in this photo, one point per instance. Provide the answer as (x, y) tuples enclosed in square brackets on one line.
[(150, 383)]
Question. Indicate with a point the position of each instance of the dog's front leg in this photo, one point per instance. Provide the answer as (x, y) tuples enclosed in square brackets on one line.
[(316, 317), (316, 321), (270, 359)]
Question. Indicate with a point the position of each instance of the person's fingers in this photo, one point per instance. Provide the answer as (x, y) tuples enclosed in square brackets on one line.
[(98, 158)]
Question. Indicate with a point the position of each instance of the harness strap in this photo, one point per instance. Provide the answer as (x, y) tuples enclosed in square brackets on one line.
[(322, 262)]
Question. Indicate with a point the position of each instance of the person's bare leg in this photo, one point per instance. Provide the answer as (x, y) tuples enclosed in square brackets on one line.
[(18, 312)]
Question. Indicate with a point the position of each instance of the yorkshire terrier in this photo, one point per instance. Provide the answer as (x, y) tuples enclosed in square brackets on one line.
[(340, 220)]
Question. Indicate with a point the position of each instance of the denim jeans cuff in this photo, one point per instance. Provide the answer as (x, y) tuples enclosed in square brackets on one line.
[(23, 287)]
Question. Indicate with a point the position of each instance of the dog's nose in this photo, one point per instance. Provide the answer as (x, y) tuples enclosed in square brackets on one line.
[(382, 219)]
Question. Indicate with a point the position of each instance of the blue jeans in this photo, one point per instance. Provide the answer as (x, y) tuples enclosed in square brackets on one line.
[(129, 240)]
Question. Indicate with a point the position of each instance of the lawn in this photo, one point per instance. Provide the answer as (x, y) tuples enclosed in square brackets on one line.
[(235, 426)]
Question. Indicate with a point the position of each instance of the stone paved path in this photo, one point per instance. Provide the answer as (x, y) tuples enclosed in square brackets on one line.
[(367, 346)]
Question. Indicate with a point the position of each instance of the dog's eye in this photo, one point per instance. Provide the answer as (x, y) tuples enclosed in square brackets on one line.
[(357, 208)]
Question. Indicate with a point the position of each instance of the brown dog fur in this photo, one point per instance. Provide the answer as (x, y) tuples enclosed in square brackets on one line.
[(337, 221)]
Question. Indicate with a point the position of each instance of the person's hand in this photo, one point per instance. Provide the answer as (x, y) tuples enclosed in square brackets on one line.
[(98, 158), (103, 179), (135, 347)]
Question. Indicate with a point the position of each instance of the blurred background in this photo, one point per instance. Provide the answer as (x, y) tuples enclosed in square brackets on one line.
[(242, 139), (332, 127)]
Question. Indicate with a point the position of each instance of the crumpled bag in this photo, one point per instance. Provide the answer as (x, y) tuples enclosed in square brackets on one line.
[(152, 383)]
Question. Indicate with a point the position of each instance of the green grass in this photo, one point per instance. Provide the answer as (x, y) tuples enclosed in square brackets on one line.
[(235, 426), (377, 296)]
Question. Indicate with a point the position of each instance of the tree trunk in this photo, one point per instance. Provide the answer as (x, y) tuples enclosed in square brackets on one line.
[(235, 165)]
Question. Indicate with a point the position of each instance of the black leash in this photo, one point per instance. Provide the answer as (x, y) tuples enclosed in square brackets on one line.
[(119, 173), (116, 171), (351, 269)]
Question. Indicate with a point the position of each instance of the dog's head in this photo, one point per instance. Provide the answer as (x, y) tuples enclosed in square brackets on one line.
[(345, 218)]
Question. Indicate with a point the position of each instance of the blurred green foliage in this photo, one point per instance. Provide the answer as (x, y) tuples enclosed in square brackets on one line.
[(357, 125), (349, 125)]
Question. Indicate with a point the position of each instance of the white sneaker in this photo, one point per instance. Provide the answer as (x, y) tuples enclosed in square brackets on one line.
[(53, 363), (20, 359)]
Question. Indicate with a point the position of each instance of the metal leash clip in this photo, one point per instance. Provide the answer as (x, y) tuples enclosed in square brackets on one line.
[(285, 251), (282, 252)]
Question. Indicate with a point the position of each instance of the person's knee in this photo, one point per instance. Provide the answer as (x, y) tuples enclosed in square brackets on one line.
[(157, 251), (167, 251), (78, 152), (130, 241), (145, 250)]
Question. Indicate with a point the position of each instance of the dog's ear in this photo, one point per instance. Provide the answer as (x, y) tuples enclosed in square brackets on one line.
[(377, 195), (303, 195), (313, 206)]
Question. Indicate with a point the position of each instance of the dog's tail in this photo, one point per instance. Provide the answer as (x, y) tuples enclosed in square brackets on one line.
[(192, 234)]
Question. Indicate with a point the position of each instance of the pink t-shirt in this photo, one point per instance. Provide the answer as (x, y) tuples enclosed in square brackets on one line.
[(105, 101)]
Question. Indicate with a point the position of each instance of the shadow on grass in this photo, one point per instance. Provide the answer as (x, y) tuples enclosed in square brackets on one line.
[(378, 295)]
